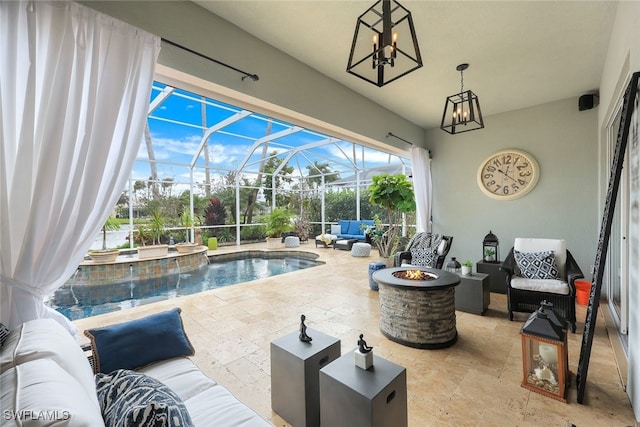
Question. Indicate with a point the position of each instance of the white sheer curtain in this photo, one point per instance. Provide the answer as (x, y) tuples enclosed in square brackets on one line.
[(421, 168), (74, 93)]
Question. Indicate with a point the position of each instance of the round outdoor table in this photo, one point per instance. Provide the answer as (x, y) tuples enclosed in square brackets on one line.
[(418, 313)]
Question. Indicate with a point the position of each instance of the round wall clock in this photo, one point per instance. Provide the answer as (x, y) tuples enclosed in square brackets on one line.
[(508, 174)]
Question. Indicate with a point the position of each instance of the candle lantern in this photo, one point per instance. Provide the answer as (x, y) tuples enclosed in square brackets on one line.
[(545, 359), (453, 265), (490, 248)]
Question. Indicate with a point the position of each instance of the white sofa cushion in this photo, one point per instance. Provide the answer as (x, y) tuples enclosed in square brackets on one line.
[(47, 339), (40, 393), (205, 399), (553, 286)]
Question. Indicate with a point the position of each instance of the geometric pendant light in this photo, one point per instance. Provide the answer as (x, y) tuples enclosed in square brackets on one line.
[(462, 110), (385, 45)]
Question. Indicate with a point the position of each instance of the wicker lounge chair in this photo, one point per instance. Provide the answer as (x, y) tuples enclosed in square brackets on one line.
[(530, 278), (425, 250)]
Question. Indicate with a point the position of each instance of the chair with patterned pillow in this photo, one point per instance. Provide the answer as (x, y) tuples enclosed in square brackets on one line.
[(424, 250), (541, 270)]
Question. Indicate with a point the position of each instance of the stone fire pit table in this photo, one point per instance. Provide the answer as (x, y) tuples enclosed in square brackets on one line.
[(418, 313)]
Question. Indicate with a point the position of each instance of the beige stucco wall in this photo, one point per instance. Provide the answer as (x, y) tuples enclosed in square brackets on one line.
[(563, 203)]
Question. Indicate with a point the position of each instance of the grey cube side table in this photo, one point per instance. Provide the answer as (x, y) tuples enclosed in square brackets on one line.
[(497, 278), (473, 293), (353, 397), (295, 366)]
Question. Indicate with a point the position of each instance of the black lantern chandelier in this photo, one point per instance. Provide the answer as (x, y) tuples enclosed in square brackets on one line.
[(385, 46), (462, 110)]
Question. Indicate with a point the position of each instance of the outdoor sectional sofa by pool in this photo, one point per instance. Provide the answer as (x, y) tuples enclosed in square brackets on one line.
[(142, 374), (348, 229)]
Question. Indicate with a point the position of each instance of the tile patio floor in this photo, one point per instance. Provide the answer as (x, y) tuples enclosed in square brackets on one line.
[(476, 382)]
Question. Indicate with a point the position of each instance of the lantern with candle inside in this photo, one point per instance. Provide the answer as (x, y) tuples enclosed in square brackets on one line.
[(545, 359)]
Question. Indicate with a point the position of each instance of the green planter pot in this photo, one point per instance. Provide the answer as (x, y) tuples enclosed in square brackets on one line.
[(212, 243)]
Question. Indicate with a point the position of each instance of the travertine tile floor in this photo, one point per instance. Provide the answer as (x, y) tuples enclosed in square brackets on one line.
[(476, 382)]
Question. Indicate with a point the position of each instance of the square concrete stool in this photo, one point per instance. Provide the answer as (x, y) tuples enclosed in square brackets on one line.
[(353, 397), (360, 249), (295, 371)]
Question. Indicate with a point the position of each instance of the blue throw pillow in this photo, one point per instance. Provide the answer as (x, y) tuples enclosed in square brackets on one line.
[(140, 342), (129, 398), (354, 228)]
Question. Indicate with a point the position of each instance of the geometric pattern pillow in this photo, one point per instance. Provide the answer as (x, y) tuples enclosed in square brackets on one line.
[(537, 265), (423, 257), (4, 333), (129, 398)]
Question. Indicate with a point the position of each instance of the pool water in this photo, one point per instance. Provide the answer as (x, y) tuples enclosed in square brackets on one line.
[(77, 302)]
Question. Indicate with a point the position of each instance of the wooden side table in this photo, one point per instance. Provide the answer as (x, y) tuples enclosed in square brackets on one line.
[(295, 367), (353, 397), (472, 294), (497, 278)]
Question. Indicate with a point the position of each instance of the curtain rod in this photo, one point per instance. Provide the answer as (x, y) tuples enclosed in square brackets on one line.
[(253, 77), (401, 139)]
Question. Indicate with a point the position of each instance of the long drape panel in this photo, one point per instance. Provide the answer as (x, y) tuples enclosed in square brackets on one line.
[(421, 168), (74, 93)]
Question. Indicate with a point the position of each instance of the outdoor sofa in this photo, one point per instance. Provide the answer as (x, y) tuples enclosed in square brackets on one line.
[(47, 377), (349, 229)]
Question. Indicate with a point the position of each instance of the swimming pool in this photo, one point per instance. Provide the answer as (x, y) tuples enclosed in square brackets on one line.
[(78, 301)]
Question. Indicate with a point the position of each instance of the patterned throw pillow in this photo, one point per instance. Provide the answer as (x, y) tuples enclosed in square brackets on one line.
[(4, 333), (423, 257), (129, 398), (537, 265)]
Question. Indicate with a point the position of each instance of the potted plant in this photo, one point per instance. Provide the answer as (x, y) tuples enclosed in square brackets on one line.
[(154, 230), (278, 222), (106, 254), (394, 193), (467, 266), (489, 254), (186, 221)]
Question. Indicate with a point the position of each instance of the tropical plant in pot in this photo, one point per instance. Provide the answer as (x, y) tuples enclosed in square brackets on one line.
[(278, 222), (394, 193), (154, 230), (186, 221), (106, 254)]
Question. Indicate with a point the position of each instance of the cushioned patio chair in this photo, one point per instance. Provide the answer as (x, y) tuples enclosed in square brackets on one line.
[(424, 250), (539, 270)]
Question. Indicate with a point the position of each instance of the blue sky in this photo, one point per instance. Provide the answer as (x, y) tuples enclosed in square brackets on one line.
[(176, 131)]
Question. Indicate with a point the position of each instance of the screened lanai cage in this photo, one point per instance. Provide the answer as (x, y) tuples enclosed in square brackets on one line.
[(210, 166)]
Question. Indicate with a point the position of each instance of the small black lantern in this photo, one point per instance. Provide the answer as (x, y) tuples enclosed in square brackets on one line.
[(490, 249), (454, 265), (545, 358)]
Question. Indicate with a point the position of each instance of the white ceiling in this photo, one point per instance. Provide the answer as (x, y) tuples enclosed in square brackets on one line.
[(521, 53)]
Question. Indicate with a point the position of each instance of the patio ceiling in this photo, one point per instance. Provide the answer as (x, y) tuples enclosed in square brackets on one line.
[(521, 53)]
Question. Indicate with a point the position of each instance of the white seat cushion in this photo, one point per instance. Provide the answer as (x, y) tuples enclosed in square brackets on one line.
[(553, 286), (205, 399)]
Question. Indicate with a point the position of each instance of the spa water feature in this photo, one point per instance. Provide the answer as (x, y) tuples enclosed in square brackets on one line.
[(101, 288)]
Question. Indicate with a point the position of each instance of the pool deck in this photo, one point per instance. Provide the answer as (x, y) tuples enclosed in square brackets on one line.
[(476, 382)]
